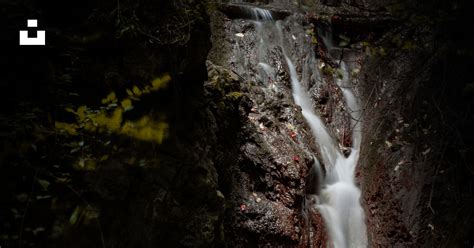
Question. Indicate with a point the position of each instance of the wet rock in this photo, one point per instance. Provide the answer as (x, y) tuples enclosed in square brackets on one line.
[(275, 148), (266, 121)]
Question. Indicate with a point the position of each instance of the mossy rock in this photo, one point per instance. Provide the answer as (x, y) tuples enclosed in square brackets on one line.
[(234, 95)]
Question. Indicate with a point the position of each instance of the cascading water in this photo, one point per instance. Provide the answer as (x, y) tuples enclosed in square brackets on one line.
[(338, 199), (261, 14)]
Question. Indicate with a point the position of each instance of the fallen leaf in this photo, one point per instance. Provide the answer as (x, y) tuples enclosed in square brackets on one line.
[(296, 159)]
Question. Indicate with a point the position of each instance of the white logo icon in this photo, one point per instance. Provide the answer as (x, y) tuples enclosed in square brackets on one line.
[(39, 40)]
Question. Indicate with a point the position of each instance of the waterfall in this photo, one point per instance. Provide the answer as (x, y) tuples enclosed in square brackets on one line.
[(339, 197), (261, 14)]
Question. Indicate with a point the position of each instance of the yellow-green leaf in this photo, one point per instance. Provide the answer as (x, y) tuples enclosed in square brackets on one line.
[(75, 215), (136, 91), (160, 82), (111, 97), (70, 110), (127, 104), (105, 157), (70, 129), (81, 112)]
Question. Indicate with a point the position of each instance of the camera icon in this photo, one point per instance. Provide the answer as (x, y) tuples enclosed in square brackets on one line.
[(39, 40)]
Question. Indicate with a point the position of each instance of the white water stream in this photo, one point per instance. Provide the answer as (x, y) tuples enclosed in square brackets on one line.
[(339, 197)]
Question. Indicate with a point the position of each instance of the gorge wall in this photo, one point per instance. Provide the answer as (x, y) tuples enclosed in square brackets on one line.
[(408, 82), (234, 169)]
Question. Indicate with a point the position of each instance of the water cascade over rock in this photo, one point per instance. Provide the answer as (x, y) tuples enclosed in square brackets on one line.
[(335, 195)]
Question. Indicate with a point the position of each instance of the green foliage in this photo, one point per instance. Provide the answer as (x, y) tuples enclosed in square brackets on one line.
[(344, 40), (339, 74), (314, 39), (328, 70), (371, 50), (109, 118), (234, 95)]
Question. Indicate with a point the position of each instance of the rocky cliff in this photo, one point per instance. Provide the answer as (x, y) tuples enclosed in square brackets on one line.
[(234, 168)]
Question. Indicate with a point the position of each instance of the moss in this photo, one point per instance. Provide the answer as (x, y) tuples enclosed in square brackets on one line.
[(225, 83), (234, 95), (328, 70)]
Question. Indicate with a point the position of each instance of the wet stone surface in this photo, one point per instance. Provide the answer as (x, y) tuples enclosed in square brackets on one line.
[(276, 149)]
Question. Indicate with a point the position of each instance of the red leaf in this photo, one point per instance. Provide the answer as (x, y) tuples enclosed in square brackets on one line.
[(293, 136), (296, 159)]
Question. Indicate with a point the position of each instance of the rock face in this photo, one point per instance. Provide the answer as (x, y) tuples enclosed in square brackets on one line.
[(267, 185), (267, 180), (409, 179), (406, 145), (396, 173)]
